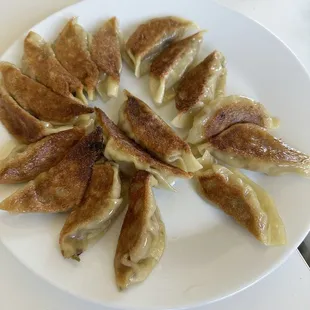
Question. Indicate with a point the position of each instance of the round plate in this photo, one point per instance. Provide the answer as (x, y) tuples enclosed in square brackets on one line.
[(208, 256)]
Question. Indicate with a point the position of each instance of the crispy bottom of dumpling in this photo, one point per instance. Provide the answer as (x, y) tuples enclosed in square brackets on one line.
[(199, 86), (223, 112), (25, 162), (252, 147), (142, 238), (132, 157), (144, 126), (99, 208), (62, 187), (244, 201)]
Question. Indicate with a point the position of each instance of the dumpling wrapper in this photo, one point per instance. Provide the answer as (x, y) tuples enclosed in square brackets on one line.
[(143, 125), (150, 38), (198, 87), (72, 50), (25, 162), (99, 208), (142, 239), (245, 201), (41, 64), (223, 112), (62, 187), (169, 66), (250, 146), (39, 100), (21, 124), (105, 50), (131, 157)]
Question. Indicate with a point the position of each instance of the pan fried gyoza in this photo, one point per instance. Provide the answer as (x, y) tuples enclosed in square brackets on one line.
[(223, 112), (25, 162), (105, 50), (170, 65), (130, 156), (62, 187), (245, 201), (71, 49), (39, 100), (40, 63), (199, 86), (99, 208), (144, 126), (150, 38), (21, 124), (142, 239), (250, 146)]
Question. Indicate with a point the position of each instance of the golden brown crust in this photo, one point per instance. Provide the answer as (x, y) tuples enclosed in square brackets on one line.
[(39, 100), (231, 200), (93, 207), (26, 162), (19, 123), (192, 86), (43, 65), (241, 111), (71, 49), (162, 64), (254, 142), (128, 146), (142, 238), (63, 186), (105, 49), (150, 130), (154, 31)]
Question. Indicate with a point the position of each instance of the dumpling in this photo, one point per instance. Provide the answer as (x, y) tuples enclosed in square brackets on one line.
[(170, 65), (250, 146), (105, 50), (99, 208), (130, 156), (25, 162), (144, 126), (199, 86), (39, 100), (71, 49), (142, 239), (244, 201), (150, 38), (41, 64), (62, 187), (21, 124), (226, 111)]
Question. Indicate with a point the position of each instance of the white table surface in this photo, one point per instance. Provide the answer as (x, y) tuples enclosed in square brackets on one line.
[(287, 288)]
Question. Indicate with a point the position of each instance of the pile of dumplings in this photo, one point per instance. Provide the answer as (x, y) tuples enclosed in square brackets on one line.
[(74, 159)]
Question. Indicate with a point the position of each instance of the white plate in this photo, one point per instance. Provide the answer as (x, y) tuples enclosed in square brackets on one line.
[(208, 256)]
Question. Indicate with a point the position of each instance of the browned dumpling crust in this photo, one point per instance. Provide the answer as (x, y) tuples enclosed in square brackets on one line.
[(99, 208), (121, 149), (39, 100), (105, 50), (223, 112), (150, 38), (71, 49), (144, 126), (169, 66), (26, 162), (62, 187), (41, 64), (199, 86), (142, 239), (19, 123), (251, 147), (246, 202)]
